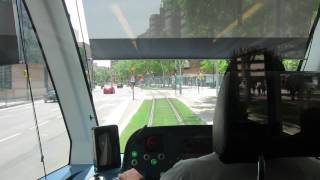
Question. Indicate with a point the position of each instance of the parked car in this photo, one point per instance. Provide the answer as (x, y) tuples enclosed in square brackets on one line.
[(50, 96), (120, 85), (108, 90)]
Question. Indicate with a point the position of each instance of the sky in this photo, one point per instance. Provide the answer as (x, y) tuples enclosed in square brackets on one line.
[(102, 63)]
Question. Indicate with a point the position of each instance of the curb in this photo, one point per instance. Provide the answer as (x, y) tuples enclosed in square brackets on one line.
[(12, 105), (19, 103), (126, 121)]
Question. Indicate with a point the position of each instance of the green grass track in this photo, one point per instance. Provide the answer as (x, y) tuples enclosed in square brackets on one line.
[(189, 118), (163, 116), (139, 119)]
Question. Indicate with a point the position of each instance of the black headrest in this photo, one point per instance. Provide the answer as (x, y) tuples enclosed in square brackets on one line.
[(247, 126), (235, 137)]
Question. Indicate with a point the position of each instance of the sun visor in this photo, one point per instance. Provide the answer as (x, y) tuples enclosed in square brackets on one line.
[(192, 48), (145, 29)]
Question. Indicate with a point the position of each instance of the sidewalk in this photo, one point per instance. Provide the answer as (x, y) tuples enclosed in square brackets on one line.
[(12, 103), (124, 112), (202, 103), (17, 102)]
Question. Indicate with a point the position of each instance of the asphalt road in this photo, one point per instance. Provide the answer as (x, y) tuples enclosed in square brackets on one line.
[(19, 148)]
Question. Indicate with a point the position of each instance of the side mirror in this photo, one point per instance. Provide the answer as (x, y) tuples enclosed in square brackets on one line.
[(106, 148)]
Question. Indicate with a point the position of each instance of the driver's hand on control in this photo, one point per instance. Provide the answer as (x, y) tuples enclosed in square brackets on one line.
[(131, 174)]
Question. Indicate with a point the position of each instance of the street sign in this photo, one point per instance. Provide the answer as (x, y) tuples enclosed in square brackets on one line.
[(25, 73), (132, 79)]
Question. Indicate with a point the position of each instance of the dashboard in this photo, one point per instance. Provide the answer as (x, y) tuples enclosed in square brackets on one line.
[(150, 150), (154, 150)]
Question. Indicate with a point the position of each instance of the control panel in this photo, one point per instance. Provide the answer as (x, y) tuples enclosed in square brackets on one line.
[(154, 150)]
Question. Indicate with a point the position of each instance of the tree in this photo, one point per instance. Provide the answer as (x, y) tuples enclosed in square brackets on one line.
[(125, 68), (222, 65), (209, 65), (122, 69), (102, 75)]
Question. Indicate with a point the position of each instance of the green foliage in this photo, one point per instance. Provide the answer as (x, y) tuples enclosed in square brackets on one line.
[(222, 65), (102, 75), (125, 68), (188, 116), (122, 69), (209, 65), (291, 64), (163, 116)]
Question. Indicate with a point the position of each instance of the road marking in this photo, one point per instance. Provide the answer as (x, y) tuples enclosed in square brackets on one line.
[(151, 113), (10, 137), (40, 124)]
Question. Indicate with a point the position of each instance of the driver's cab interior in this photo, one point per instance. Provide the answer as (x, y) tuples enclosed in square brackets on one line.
[(263, 111)]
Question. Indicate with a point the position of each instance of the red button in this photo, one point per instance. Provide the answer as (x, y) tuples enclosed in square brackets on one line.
[(152, 141)]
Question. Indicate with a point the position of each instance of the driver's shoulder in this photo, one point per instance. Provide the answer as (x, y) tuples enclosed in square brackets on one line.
[(200, 162)]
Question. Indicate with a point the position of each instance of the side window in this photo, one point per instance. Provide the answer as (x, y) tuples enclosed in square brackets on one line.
[(19, 148), (49, 122), (31, 121)]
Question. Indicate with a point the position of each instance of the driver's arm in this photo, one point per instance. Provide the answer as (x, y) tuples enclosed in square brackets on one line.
[(177, 172), (131, 174), (184, 169)]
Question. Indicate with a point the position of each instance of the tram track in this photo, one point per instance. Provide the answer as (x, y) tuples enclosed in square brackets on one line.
[(173, 108)]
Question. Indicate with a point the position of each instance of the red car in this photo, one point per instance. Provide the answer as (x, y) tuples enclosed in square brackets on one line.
[(108, 90)]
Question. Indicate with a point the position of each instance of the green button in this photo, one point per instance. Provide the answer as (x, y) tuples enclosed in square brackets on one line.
[(154, 162), (134, 154)]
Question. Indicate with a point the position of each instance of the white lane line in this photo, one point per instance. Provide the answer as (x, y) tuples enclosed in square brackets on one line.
[(10, 137), (40, 124)]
